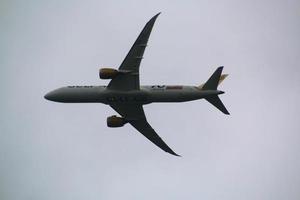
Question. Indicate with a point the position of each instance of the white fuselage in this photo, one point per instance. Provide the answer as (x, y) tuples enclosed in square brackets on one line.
[(146, 94)]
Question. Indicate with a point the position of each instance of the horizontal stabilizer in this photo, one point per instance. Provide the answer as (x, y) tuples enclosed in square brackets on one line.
[(213, 82), (222, 78), (216, 101)]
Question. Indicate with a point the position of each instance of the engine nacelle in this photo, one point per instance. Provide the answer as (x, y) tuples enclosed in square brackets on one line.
[(108, 73), (114, 121)]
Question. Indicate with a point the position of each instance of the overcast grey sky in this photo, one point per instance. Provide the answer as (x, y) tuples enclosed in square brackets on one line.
[(65, 151)]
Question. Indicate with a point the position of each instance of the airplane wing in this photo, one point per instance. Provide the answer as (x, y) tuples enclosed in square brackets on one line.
[(129, 80), (136, 117)]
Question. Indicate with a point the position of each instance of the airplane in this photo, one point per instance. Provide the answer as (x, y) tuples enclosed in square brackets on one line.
[(125, 95)]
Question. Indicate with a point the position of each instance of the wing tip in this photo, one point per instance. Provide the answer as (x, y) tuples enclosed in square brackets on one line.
[(155, 16), (173, 153)]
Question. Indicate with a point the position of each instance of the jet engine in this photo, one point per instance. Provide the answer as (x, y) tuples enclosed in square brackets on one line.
[(108, 73), (114, 121)]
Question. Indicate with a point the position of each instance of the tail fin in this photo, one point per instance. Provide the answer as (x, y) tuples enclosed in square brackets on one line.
[(222, 78), (212, 84)]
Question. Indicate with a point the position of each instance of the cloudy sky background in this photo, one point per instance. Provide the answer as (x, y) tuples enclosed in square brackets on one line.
[(65, 151)]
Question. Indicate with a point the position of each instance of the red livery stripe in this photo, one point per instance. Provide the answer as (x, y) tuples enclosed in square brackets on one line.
[(175, 87)]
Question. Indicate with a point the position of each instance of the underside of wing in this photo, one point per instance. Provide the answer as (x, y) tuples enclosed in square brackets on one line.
[(144, 127), (135, 115), (128, 79)]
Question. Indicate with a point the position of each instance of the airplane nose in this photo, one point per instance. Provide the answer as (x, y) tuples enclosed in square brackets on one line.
[(51, 96), (48, 96)]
